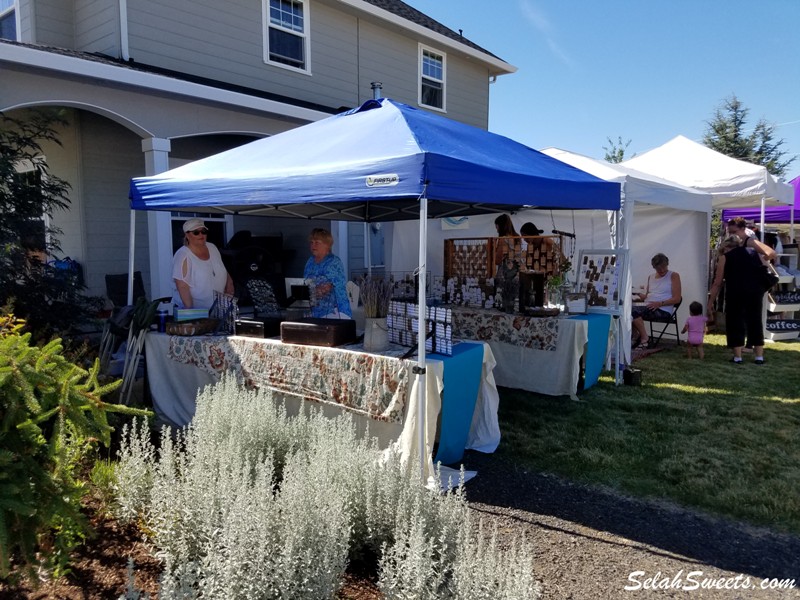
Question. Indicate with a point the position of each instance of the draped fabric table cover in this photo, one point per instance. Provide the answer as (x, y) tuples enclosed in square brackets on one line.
[(379, 388), (538, 354)]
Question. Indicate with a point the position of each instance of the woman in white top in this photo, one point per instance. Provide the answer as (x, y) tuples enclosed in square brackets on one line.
[(197, 269), (662, 292)]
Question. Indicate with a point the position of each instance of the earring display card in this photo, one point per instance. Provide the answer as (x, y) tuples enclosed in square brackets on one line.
[(403, 324)]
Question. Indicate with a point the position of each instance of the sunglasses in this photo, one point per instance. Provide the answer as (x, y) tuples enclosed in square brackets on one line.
[(199, 232)]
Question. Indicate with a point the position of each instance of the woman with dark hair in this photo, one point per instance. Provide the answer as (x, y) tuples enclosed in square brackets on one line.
[(504, 226), (506, 261), (744, 295)]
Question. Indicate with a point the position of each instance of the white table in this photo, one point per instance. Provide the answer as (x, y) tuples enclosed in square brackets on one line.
[(536, 354), (378, 390)]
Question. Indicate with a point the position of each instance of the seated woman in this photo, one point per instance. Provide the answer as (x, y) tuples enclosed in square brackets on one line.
[(663, 291)]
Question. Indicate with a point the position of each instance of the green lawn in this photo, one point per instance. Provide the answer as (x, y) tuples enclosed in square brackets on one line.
[(708, 434)]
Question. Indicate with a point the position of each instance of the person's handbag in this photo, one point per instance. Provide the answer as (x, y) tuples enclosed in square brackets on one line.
[(768, 277)]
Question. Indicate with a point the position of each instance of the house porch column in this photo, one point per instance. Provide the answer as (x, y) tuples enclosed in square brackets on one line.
[(156, 160)]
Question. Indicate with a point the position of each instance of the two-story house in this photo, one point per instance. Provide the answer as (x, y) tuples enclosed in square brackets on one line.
[(148, 85)]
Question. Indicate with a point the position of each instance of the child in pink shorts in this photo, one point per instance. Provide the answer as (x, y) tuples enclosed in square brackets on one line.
[(696, 327)]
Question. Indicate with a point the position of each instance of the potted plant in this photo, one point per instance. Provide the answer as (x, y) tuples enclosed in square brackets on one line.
[(558, 284), (376, 293)]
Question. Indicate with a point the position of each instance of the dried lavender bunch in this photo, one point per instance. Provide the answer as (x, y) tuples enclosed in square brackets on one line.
[(376, 293)]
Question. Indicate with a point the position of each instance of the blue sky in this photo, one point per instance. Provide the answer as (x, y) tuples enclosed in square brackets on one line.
[(645, 70)]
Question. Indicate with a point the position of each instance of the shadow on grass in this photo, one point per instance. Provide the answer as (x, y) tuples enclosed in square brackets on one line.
[(665, 529), (707, 435)]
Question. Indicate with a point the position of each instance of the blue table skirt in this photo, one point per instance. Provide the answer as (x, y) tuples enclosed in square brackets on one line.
[(599, 326), (462, 378)]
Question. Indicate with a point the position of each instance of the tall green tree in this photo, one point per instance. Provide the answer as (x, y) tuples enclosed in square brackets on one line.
[(727, 133), (615, 151), (48, 297)]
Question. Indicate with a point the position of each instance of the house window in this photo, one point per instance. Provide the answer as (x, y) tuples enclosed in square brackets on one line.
[(286, 37), (8, 20), (432, 75), (26, 188)]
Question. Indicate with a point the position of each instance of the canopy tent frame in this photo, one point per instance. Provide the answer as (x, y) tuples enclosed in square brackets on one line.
[(421, 166)]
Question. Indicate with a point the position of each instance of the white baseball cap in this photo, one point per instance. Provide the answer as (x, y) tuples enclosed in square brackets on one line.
[(192, 224)]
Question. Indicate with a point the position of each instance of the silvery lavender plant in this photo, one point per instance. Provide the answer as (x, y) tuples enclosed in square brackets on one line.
[(249, 502)]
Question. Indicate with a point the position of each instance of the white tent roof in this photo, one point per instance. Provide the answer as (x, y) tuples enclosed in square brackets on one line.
[(731, 182), (657, 216), (642, 187)]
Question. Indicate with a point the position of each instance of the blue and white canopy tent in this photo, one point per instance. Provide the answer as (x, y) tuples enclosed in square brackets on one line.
[(382, 161)]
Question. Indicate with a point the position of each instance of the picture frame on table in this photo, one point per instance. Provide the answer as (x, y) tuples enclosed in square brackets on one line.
[(601, 274)]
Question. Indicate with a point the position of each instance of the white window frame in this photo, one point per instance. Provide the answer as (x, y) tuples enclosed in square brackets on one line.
[(15, 9), (305, 35), (422, 49)]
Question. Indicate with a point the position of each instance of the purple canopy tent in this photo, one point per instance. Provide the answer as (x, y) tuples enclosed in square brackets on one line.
[(776, 214)]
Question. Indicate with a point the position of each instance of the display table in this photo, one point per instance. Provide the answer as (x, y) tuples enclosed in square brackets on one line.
[(377, 389), (539, 354)]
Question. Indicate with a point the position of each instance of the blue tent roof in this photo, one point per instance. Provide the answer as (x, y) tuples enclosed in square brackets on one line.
[(373, 163)]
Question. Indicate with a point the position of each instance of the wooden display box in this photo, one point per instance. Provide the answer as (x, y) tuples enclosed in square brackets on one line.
[(319, 332), (258, 327)]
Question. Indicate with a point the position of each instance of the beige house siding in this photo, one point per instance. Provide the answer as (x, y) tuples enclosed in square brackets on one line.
[(111, 155), (228, 46), (383, 52), (97, 26), (54, 23)]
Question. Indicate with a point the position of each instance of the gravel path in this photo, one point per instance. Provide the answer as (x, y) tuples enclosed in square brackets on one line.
[(587, 541)]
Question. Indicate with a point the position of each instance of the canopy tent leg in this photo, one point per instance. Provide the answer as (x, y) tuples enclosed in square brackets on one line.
[(131, 250), (621, 222), (423, 328)]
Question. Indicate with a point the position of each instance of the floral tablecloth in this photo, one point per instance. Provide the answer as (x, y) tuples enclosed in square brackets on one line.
[(369, 384), (517, 330)]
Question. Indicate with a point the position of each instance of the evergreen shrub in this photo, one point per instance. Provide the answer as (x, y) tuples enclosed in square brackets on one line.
[(51, 415)]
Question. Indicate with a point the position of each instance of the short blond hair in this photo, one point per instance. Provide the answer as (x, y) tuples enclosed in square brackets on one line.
[(729, 243), (321, 235)]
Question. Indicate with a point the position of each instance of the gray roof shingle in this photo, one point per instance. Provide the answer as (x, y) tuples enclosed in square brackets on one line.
[(401, 9)]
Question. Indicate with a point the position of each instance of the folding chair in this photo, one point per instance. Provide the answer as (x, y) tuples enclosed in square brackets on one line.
[(115, 330), (117, 288), (664, 326), (141, 320)]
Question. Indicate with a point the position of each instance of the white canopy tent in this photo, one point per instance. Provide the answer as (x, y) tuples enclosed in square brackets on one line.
[(732, 183), (656, 216)]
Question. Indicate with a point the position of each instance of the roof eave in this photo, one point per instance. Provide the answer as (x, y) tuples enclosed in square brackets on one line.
[(75, 66), (496, 66)]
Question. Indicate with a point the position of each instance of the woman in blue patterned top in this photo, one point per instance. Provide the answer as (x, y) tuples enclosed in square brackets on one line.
[(328, 281)]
